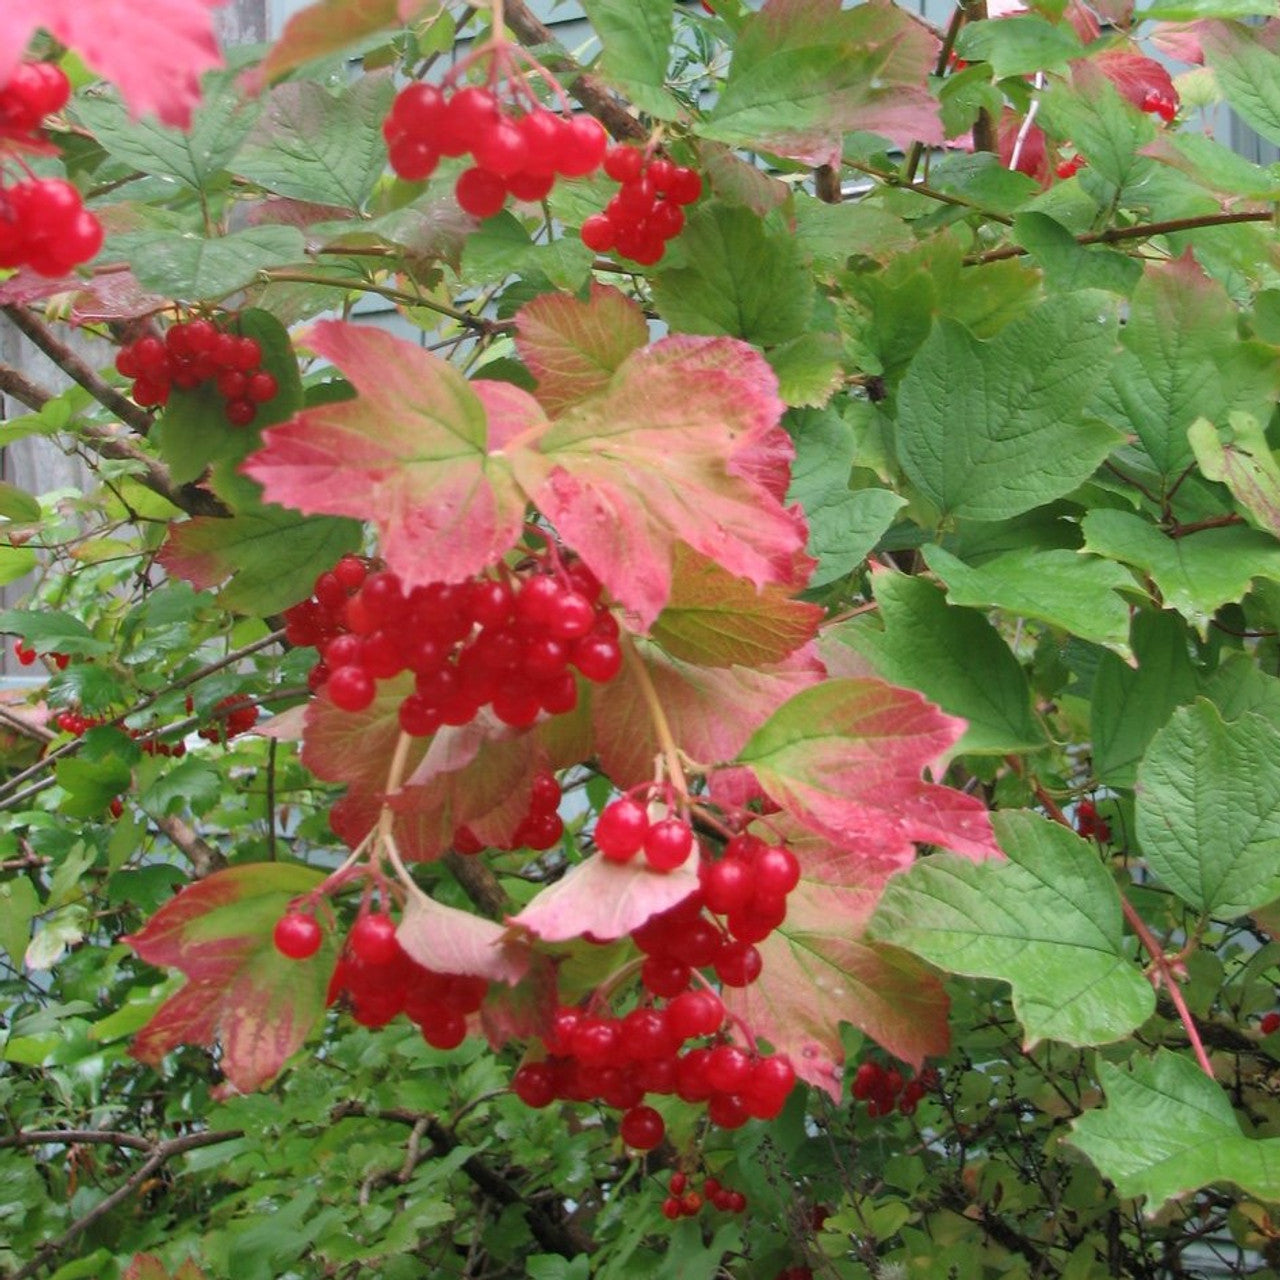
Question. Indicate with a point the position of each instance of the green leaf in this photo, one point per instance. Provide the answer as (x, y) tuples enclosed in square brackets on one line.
[(1180, 361), (19, 904), (1209, 809), (1129, 705), (1193, 10), (312, 145), (844, 524), (1246, 61), (1168, 1129), (1019, 44), (810, 369), (1215, 166), (1196, 574), (15, 563), (987, 430), (805, 72), (1069, 265), (218, 127), (17, 504), (1102, 126), (636, 36), (1240, 457), (1048, 922), (743, 280), (1063, 588), (955, 657), (981, 178), (50, 632), (829, 234), (91, 784), (267, 558), (184, 265), (192, 784)]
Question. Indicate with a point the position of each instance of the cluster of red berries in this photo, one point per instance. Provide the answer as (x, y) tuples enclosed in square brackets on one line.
[(618, 1061), (377, 980), (624, 829), (509, 641), (541, 827), (648, 208), (685, 1201), (883, 1089), (26, 655), (515, 155), (77, 724), (1089, 824), (1160, 104), (233, 716), (193, 352), (43, 222), (1070, 167)]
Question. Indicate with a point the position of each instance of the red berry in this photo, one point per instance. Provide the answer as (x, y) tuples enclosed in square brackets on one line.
[(351, 688), (621, 829), (297, 935), (623, 163), (582, 147), (535, 1085), (240, 413), (684, 186), (1270, 1022), (667, 844), (373, 940), (642, 1128)]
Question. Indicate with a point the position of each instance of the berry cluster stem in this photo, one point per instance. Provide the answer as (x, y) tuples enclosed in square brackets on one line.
[(662, 727)]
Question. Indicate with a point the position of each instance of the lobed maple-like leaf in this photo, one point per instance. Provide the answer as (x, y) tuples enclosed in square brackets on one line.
[(821, 970), (604, 900), (1135, 75), (574, 348), (845, 759), (240, 992), (410, 452), (683, 445), (177, 37), (711, 711)]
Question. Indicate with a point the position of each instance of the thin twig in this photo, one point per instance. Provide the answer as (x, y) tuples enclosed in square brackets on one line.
[(161, 1153), (76, 369)]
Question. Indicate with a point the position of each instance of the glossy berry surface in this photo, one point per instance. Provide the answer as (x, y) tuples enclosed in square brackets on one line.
[(297, 935)]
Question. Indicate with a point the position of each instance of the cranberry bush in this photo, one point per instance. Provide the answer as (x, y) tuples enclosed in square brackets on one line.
[(668, 662)]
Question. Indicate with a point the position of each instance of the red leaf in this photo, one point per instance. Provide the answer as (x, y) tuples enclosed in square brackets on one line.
[(712, 711), (845, 759), (448, 940), (523, 1011), (819, 971), (326, 27), (409, 453), (574, 348), (1135, 75), (155, 53), (604, 899), (240, 991), (683, 445)]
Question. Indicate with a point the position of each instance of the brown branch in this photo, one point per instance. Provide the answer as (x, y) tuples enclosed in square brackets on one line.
[(76, 369), (984, 127), (107, 442), (479, 884), (916, 153), (204, 858), (77, 1137), (161, 1153), (584, 87), (1198, 526), (1141, 231)]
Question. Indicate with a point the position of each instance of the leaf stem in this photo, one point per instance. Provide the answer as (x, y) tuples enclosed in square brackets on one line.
[(658, 717)]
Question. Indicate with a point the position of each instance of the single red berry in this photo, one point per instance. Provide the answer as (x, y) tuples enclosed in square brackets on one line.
[(621, 829), (351, 688), (667, 844), (297, 935), (25, 654), (679, 1183), (240, 413), (373, 940), (1270, 1022), (535, 1085), (642, 1128), (672, 1208)]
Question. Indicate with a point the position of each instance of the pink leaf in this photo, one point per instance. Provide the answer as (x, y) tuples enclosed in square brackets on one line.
[(677, 448), (155, 53), (448, 940), (604, 900), (574, 348), (820, 970), (240, 991), (845, 759), (711, 711), (410, 453)]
